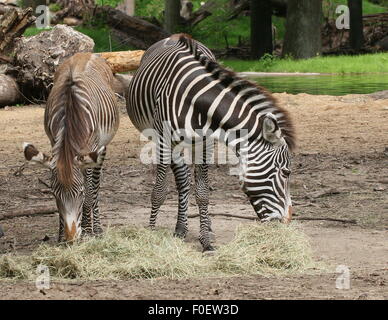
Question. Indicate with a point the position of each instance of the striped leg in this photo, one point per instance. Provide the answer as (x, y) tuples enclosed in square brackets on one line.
[(202, 197), (97, 175), (87, 219), (91, 215), (182, 180), (61, 234), (159, 192)]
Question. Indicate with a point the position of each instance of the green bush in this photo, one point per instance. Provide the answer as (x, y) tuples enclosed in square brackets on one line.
[(111, 3), (54, 7)]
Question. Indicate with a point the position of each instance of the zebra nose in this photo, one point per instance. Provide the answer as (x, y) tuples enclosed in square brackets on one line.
[(70, 233), (287, 218)]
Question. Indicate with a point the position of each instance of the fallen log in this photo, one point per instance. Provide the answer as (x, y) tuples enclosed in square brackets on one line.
[(138, 33), (37, 58), (13, 23), (9, 91), (122, 61), (33, 211), (30, 73)]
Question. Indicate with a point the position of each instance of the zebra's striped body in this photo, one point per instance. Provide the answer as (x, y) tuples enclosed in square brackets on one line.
[(179, 85), (81, 118)]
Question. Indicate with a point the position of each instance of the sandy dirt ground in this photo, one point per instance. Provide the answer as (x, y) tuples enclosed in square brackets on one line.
[(340, 171)]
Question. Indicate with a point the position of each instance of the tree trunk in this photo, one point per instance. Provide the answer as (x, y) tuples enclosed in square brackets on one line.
[(137, 32), (128, 7), (279, 7), (172, 16), (202, 13), (303, 29), (261, 28), (76, 8), (356, 34)]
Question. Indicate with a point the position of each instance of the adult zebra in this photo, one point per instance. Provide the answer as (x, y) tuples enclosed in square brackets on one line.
[(81, 118), (180, 86)]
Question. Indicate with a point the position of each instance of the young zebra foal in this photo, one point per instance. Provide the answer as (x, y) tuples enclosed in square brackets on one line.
[(81, 118), (182, 94)]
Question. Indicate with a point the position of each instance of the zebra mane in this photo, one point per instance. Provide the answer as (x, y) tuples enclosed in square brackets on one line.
[(69, 119), (230, 78)]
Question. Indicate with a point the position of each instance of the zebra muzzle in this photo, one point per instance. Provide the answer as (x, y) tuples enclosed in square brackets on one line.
[(70, 233), (287, 218)]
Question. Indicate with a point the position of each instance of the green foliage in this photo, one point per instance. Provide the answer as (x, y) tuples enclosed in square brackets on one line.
[(216, 31), (150, 8), (55, 7), (369, 63), (368, 7), (33, 31), (102, 39), (111, 3)]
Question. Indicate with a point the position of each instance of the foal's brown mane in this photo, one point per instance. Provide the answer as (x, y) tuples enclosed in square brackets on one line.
[(228, 77)]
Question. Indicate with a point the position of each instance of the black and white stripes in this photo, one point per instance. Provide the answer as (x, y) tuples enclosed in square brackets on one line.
[(180, 86)]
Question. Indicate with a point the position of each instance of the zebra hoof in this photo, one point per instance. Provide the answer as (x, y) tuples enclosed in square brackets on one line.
[(1, 232), (98, 232), (180, 234), (208, 251), (152, 228), (86, 234)]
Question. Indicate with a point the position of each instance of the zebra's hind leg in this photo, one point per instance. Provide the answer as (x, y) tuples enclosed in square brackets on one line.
[(202, 197), (159, 193), (182, 179)]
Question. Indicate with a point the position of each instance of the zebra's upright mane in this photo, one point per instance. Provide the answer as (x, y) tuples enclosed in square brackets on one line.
[(230, 78)]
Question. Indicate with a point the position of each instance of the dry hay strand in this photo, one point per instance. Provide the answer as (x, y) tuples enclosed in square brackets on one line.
[(138, 253), (266, 249)]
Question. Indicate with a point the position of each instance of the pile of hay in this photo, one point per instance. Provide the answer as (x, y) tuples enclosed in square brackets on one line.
[(138, 253)]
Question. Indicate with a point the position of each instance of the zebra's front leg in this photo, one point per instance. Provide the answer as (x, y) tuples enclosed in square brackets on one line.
[(61, 233), (87, 215), (96, 181), (159, 193), (202, 197), (182, 179)]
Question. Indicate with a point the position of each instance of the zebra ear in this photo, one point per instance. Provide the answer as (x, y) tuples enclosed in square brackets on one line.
[(92, 159), (34, 155), (271, 131)]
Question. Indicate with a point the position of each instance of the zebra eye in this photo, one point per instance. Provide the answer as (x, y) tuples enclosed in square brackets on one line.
[(286, 172)]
